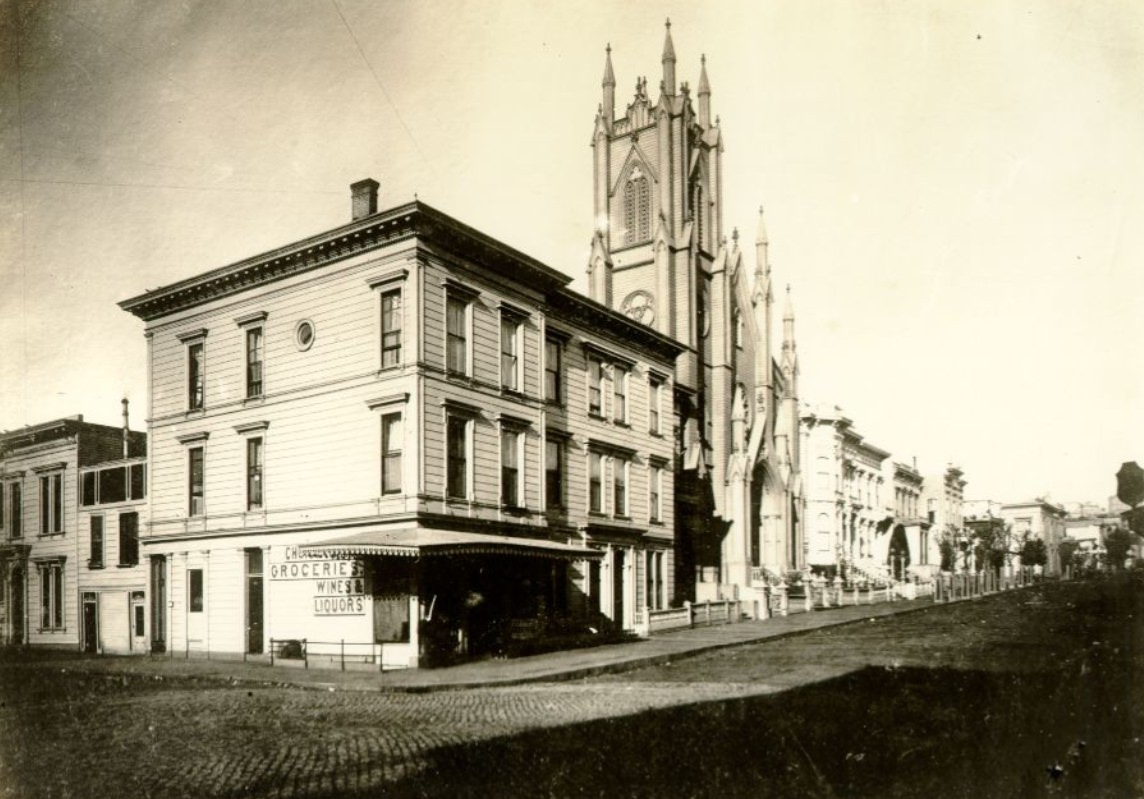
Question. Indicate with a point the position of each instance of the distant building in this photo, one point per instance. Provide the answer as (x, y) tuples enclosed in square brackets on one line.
[(1038, 519), (943, 495), (41, 568), (407, 436)]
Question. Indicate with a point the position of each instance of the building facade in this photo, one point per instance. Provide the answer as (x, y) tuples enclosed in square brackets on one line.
[(42, 560), (403, 440), (943, 495), (660, 255), (1039, 519)]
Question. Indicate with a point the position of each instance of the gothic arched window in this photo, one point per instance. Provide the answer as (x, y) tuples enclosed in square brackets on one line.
[(637, 208)]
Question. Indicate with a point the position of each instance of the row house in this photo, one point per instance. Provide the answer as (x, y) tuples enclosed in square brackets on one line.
[(864, 509), (1037, 519), (44, 536), (403, 440), (943, 499)]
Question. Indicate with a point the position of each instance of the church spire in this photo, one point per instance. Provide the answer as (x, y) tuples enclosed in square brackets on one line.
[(788, 317), (609, 85), (668, 63), (704, 94), (762, 292)]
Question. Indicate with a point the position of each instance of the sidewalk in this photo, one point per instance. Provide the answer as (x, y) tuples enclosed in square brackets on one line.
[(552, 666)]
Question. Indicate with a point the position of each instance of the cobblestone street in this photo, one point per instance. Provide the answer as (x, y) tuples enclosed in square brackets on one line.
[(74, 733)]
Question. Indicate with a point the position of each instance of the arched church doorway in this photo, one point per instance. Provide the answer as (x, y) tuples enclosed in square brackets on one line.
[(899, 559), (767, 530)]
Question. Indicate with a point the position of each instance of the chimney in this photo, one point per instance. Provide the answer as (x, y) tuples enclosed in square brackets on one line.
[(126, 437), (364, 194)]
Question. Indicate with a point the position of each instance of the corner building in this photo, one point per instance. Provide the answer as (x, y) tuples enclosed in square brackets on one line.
[(661, 256), (403, 441)]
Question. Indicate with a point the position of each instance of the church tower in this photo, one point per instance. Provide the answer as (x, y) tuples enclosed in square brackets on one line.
[(659, 254)]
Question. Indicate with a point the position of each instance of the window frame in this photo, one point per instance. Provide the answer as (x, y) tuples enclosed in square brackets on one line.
[(457, 343), (391, 300), (512, 466), (655, 406), (553, 376), (96, 553), (51, 503), (554, 494), (255, 361), (596, 468), (196, 510), (53, 616), (461, 471), (511, 346), (15, 517), (196, 374), (655, 494), (621, 479), (596, 386), (255, 473), (128, 543), (390, 456), (620, 376)]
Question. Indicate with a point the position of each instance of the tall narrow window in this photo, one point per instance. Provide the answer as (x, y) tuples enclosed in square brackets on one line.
[(554, 473), (253, 473), (95, 558), (655, 392), (595, 482), (128, 538), (655, 480), (254, 362), (737, 328), (52, 595), (620, 393), (457, 336), (195, 499), (391, 434), (196, 376), (195, 590), (16, 511), (510, 353), (87, 489), (620, 486), (510, 468), (457, 447), (553, 371), (51, 504), (138, 484), (391, 329), (595, 387)]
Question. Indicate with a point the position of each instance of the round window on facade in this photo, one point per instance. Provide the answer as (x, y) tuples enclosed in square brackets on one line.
[(304, 334)]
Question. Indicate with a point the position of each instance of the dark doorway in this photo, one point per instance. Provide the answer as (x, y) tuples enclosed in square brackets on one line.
[(899, 559), (90, 623), (254, 601), (618, 588)]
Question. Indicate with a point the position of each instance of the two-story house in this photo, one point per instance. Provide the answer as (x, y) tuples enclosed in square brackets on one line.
[(40, 554), (403, 440)]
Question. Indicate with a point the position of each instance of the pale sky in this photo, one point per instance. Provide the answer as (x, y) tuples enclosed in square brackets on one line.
[(953, 189)]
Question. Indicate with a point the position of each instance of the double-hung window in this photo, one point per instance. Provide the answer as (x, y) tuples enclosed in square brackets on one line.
[(510, 342), (595, 482), (254, 458), (196, 468), (51, 503), (95, 556), (553, 371), (391, 328), (457, 456), (595, 387), (391, 439), (511, 483), (195, 590), (620, 394), (128, 538), (253, 362), (654, 401), (457, 334), (52, 596), (196, 375), (655, 493), (15, 511), (620, 486), (554, 473)]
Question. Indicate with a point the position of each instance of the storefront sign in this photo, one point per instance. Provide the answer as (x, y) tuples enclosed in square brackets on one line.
[(339, 585)]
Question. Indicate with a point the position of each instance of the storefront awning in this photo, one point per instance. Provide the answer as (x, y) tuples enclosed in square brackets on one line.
[(426, 542)]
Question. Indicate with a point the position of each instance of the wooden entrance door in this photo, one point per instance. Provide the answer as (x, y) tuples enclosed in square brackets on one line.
[(90, 623)]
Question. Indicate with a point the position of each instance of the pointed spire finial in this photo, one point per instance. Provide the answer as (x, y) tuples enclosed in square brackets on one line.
[(609, 77), (788, 307), (668, 61), (735, 236), (761, 234)]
